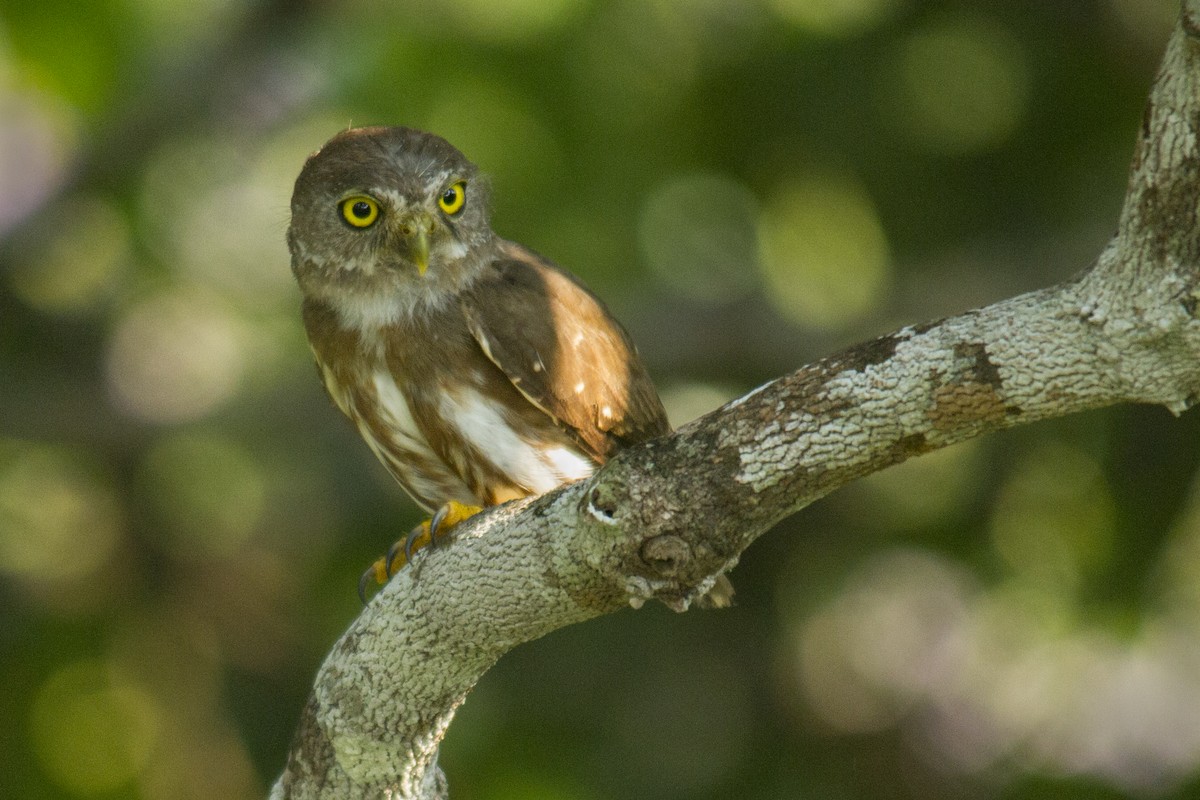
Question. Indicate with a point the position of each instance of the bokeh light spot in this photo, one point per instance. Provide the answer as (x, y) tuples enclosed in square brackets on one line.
[(831, 689), (208, 492), (874, 651), (248, 260), (697, 233), (1054, 518), (174, 174), (216, 215), (59, 519), (824, 252), (82, 250), (983, 677), (93, 734), (922, 491), (834, 17), (175, 357), (38, 140), (958, 87)]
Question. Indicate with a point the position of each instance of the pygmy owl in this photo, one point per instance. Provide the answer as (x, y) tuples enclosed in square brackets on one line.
[(476, 370)]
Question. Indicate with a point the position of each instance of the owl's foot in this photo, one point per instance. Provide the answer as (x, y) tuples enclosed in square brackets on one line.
[(428, 533)]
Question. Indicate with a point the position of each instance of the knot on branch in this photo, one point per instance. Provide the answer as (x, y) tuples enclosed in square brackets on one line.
[(666, 555), (599, 506)]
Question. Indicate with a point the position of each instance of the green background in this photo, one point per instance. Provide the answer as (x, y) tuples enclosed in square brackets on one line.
[(751, 186)]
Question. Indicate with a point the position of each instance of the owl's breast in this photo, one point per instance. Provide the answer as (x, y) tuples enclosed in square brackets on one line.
[(376, 403), (358, 367), (444, 420)]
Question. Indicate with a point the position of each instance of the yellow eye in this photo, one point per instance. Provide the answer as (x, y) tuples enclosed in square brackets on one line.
[(360, 211), (453, 198)]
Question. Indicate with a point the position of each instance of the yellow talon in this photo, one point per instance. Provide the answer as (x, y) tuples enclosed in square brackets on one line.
[(450, 515), (428, 532), (376, 574), (401, 552)]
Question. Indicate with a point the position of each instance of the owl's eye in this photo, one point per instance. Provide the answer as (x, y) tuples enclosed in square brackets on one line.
[(453, 198), (360, 211)]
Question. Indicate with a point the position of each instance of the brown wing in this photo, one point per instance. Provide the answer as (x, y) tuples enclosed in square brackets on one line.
[(563, 351)]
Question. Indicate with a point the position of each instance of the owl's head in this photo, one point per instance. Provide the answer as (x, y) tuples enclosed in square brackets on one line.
[(388, 212)]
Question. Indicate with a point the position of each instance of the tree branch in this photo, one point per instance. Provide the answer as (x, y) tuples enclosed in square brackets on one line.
[(664, 520)]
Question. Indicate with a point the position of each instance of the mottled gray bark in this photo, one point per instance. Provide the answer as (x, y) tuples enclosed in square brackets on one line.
[(663, 520)]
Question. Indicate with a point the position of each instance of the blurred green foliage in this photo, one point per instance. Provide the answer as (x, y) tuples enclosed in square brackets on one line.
[(751, 185)]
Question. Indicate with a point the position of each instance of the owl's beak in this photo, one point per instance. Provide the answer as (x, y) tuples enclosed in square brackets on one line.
[(420, 248), (415, 232)]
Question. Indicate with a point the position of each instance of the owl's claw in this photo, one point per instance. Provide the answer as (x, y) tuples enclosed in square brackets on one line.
[(427, 534), (448, 516), (430, 532), (417, 538), (376, 574), (438, 520)]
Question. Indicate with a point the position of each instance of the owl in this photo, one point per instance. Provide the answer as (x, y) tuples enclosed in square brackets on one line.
[(476, 370)]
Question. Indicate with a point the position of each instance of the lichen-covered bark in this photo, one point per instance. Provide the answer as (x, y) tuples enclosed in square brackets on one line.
[(663, 520)]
